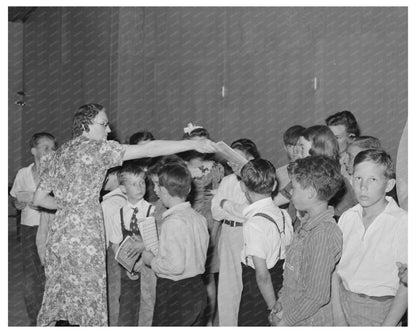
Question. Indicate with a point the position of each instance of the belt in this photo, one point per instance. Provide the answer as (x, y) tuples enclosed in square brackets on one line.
[(374, 298), (232, 223), (377, 298)]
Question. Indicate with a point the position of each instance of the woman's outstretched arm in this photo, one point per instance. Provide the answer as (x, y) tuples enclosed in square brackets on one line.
[(166, 147)]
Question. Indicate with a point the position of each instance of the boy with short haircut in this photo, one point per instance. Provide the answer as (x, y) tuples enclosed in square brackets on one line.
[(345, 127), (123, 223), (267, 232), (367, 288), (315, 248), (113, 200), (180, 292), (359, 144), (290, 140), (24, 187)]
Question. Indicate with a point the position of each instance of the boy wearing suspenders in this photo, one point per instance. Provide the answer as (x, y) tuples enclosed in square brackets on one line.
[(267, 232), (125, 223)]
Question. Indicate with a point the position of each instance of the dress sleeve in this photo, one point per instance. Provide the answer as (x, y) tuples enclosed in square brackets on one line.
[(112, 153), (46, 171)]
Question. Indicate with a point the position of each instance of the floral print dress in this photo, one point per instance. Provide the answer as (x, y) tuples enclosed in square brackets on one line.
[(206, 178), (75, 287)]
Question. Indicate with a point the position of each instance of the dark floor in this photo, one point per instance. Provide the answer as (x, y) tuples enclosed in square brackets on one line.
[(16, 309)]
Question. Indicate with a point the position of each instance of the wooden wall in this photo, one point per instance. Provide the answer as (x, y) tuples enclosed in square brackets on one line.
[(239, 72)]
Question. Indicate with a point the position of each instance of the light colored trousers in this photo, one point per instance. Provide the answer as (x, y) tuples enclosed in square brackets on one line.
[(230, 283), (361, 311)]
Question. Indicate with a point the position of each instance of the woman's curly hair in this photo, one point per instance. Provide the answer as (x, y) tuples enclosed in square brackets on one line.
[(84, 118)]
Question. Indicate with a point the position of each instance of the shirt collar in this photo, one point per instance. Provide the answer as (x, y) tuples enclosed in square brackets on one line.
[(308, 224), (178, 207), (116, 191), (390, 209), (138, 205), (254, 208)]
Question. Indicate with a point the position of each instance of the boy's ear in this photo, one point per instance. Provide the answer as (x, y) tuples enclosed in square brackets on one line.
[(274, 185), (32, 151), (390, 185), (311, 192), (122, 188), (243, 186)]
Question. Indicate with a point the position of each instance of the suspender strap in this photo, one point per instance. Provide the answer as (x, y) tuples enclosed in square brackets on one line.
[(268, 217), (148, 211), (122, 218)]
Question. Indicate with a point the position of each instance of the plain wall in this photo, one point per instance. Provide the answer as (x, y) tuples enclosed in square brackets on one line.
[(159, 68)]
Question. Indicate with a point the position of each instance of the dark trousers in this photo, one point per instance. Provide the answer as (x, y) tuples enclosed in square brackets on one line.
[(33, 273), (180, 303), (129, 301), (253, 309)]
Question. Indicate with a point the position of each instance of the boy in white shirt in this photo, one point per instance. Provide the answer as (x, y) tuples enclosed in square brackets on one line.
[(267, 232), (113, 200), (366, 285), (180, 292), (24, 187), (122, 223)]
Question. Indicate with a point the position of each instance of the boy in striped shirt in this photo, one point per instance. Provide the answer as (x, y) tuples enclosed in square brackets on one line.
[(304, 299)]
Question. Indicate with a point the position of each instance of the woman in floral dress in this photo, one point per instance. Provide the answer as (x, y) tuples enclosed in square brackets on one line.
[(75, 291)]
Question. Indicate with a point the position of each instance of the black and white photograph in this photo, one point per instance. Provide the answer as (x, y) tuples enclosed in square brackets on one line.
[(208, 164)]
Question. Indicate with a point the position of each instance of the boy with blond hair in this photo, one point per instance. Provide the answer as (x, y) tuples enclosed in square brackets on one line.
[(366, 285)]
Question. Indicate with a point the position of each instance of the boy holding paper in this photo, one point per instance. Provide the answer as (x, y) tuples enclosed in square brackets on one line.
[(24, 187), (180, 293), (123, 223)]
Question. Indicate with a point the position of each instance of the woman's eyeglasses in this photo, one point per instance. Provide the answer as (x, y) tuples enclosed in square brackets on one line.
[(105, 124)]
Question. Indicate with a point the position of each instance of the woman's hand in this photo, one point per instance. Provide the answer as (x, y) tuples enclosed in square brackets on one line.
[(204, 146)]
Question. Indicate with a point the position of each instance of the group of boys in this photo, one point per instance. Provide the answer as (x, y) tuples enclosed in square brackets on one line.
[(333, 274)]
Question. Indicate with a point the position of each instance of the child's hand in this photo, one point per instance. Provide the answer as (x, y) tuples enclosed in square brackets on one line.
[(402, 273), (277, 307), (138, 266), (19, 205), (135, 249), (147, 257), (275, 318)]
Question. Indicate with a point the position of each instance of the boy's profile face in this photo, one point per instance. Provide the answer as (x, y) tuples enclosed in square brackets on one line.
[(304, 146), (134, 187), (44, 146), (370, 184), (301, 197), (352, 151)]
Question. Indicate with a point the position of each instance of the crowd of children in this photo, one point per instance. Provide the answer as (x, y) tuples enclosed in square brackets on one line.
[(320, 241)]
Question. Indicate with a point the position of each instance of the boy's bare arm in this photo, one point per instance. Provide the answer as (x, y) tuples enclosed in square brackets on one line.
[(398, 307), (264, 281)]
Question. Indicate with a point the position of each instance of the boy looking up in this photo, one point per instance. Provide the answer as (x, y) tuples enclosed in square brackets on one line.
[(367, 289), (315, 248), (180, 292)]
